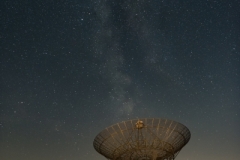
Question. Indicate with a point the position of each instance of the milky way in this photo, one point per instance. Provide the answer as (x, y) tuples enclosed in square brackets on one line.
[(69, 69)]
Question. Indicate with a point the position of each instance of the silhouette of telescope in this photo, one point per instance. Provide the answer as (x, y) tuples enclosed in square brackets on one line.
[(142, 139)]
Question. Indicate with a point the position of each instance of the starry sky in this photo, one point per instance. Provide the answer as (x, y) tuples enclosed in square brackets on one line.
[(70, 68)]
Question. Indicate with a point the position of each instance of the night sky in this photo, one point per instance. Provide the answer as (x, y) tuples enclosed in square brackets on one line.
[(70, 68)]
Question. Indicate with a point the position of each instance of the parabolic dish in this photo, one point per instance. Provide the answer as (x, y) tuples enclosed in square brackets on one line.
[(142, 139)]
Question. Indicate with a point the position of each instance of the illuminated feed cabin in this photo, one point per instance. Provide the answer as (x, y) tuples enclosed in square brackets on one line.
[(142, 139)]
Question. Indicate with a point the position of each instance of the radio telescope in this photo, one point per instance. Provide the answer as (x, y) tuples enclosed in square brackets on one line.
[(142, 139)]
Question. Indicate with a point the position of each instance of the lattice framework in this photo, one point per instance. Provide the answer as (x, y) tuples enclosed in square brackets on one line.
[(142, 139)]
